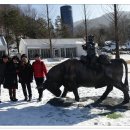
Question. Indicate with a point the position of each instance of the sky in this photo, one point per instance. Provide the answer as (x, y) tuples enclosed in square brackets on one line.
[(93, 7), (92, 10)]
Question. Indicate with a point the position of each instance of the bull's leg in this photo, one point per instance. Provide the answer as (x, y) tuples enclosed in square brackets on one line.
[(75, 91), (74, 87), (64, 92), (125, 92), (108, 90)]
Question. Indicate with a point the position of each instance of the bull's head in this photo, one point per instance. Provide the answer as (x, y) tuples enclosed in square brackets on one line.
[(50, 87), (55, 91)]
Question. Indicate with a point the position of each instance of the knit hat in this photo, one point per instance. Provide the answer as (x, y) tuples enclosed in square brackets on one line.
[(23, 55), (37, 55)]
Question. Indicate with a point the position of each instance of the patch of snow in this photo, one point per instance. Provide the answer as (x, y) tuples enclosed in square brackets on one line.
[(35, 113)]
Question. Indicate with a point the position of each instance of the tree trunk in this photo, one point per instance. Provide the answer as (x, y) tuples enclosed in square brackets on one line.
[(49, 32), (116, 31), (85, 20)]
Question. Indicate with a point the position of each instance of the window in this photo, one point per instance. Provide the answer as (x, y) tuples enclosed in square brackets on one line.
[(62, 52), (2, 53), (56, 52), (70, 52), (45, 53), (32, 52)]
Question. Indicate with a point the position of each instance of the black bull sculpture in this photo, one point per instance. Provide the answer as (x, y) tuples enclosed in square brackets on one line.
[(73, 74)]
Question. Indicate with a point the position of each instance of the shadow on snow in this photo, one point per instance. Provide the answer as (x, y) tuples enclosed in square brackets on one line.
[(57, 112)]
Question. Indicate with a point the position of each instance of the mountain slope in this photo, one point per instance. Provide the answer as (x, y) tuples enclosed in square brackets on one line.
[(104, 20)]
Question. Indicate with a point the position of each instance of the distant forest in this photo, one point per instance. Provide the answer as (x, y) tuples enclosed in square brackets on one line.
[(17, 22)]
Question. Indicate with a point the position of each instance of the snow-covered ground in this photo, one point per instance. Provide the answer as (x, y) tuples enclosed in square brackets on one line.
[(43, 114)]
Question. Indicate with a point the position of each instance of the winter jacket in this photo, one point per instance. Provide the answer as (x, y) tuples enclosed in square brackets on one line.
[(39, 69), (10, 77), (25, 73), (2, 70)]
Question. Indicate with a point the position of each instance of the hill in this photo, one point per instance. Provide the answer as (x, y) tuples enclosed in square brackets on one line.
[(103, 20)]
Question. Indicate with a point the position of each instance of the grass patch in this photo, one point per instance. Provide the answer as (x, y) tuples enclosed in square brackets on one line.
[(114, 115)]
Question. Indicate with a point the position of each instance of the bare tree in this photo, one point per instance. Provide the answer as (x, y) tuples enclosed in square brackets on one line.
[(116, 31), (29, 11), (123, 28), (49, 31), (114, 17), (85, 22), (48, 13), (58, 30), (83, 29), (87, 14)]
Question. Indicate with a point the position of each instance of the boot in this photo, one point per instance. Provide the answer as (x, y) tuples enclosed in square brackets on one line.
[(30, 98), (40, 95), (15, 99), (11, 98), (25, 99)]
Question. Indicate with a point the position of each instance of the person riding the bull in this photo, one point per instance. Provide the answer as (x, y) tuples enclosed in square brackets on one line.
[(90, 48), (92, 58)]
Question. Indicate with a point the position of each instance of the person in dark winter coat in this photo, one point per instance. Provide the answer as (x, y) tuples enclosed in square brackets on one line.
[(3, 62), (91, 59), (26, 77), (89, 47), (10, 78), (40, 71)]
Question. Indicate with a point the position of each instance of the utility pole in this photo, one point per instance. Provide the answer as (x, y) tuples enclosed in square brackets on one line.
[(49, 31), (85, 22), (116, 31)]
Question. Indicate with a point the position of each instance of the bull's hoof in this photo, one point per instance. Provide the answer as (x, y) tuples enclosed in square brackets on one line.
[(63, 95), (98, 101), (58, 93), (77, 99), (125, 102)]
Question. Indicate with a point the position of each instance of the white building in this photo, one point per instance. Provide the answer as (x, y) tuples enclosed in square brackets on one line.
[(3, 46), (61, 47)]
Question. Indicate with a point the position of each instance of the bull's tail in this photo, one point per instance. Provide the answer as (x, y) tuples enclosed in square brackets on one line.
[(126, 73)]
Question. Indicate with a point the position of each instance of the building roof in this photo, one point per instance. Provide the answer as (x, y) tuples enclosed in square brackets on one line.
[(55, 42)]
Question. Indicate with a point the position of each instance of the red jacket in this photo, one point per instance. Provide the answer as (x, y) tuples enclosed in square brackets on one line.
[(39, 69)]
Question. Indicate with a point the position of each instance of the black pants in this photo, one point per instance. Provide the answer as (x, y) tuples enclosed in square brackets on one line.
[(27, 87), (12, 93), (39, 82), (0, 92)]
